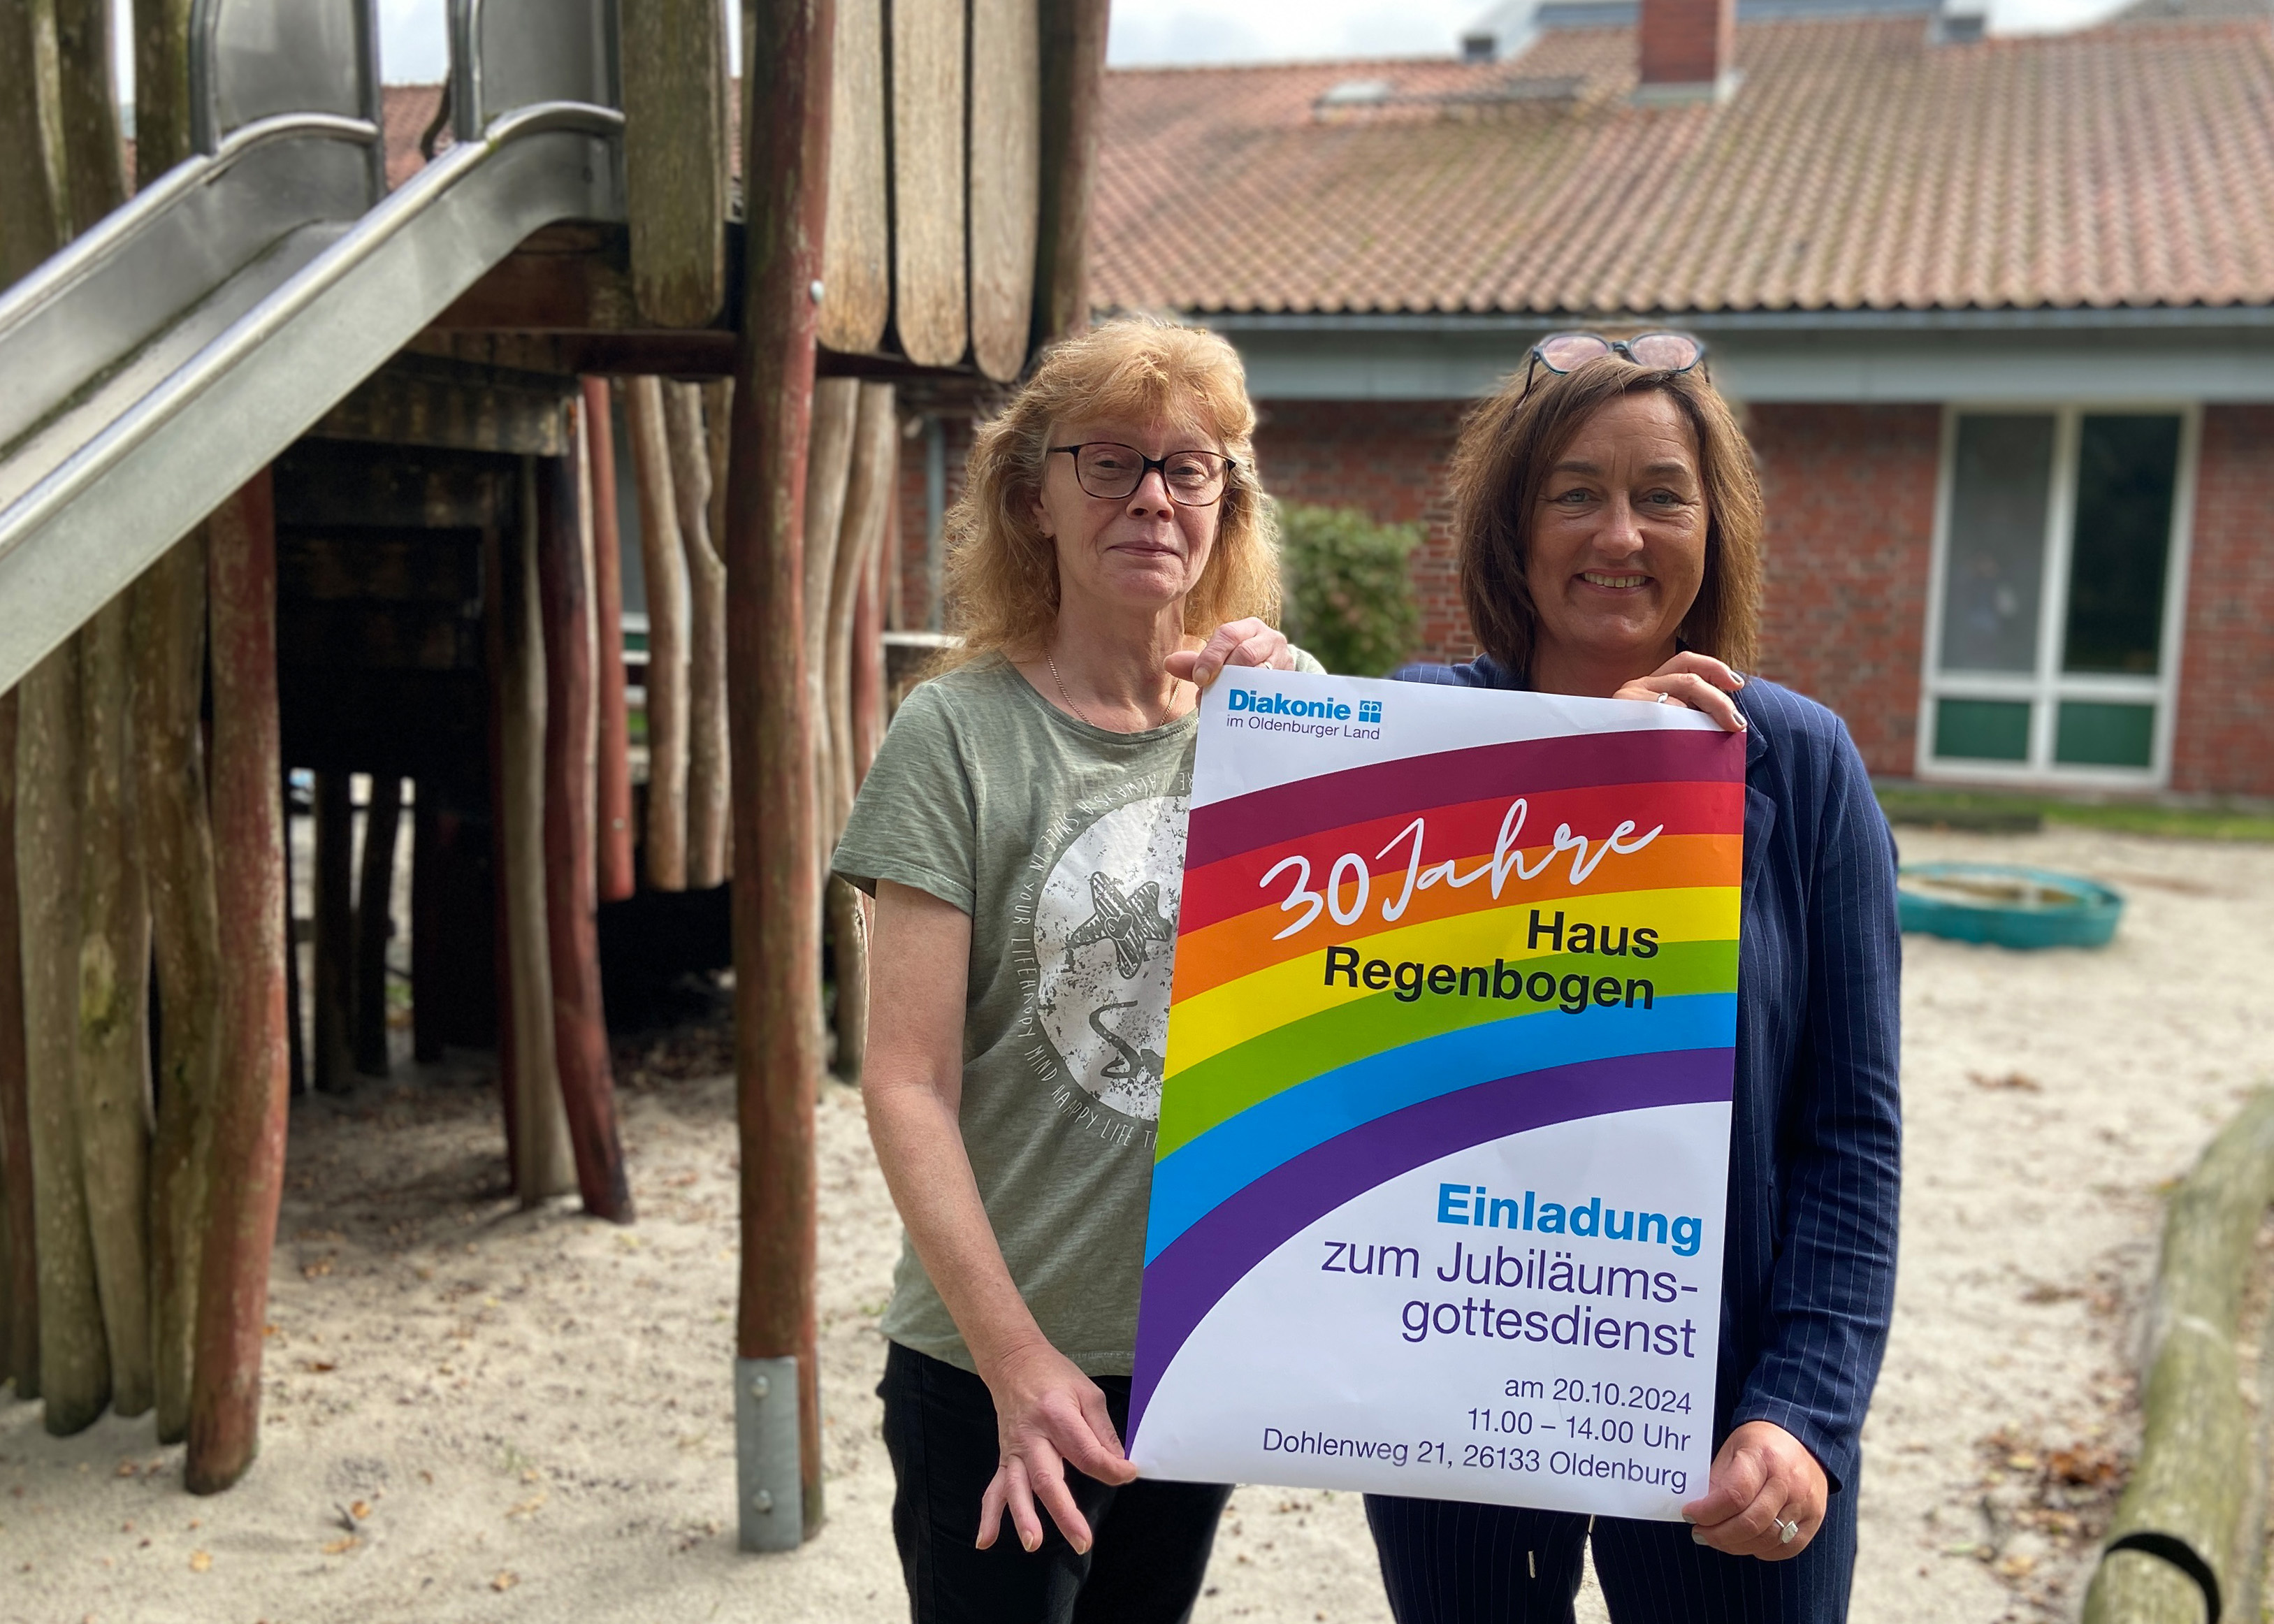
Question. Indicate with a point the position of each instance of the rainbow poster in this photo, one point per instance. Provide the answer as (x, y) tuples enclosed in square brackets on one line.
[(1442, 1162)]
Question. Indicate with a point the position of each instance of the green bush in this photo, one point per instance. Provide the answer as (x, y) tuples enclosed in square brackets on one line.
[(1348, 589)]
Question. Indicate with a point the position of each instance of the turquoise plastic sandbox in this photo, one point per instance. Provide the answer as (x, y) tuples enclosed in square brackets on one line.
[(2007, 906)]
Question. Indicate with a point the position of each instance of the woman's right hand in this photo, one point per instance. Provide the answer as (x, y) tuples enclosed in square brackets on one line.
[(1048, 1416)]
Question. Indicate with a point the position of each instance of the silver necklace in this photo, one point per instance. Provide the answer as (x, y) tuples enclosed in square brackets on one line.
[(1051, 661)]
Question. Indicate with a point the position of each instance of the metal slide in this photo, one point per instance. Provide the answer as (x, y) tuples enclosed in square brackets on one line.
[(167, 356)]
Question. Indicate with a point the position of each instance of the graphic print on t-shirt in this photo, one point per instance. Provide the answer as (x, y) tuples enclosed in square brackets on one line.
[(1105, 925)]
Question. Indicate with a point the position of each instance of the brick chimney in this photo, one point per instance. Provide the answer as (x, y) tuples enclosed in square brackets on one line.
[(1689, 50)]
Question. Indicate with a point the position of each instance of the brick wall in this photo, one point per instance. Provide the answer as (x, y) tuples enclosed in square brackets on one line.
[(1850, 540), (915, 599), (2224, 743), (1387, 459)]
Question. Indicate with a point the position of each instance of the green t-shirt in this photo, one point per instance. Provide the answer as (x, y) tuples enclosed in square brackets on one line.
[(1065, 844)]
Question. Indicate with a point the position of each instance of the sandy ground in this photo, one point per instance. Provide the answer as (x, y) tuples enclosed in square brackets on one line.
[(479, 1413)]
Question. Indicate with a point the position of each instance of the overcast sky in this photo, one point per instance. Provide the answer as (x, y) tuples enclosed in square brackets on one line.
[(413, 48), (1174, 30)]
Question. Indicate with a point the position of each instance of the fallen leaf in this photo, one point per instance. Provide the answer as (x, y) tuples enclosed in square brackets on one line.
[(360, 1510), (341, 1547), (505, 1581), (320, 1367), (2018, 1566), (201, 1561), (2019, 1080)]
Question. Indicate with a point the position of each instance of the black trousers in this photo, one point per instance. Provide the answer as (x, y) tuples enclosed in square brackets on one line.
[(1150, 1541), (1453, 1562)]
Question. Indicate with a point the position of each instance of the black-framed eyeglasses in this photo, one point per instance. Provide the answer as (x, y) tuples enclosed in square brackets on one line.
[(1664, 351), (1110, 472)]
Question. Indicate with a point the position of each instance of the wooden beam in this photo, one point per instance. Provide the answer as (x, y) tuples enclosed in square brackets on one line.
[(706, 664), (674, 83), (930, 301), (74, 1355), (580, 1031), (245, 1180), (828, 485), (770, 720), (1005, 180), (374, 922), (857, 261), (1073, 87), (21, 1359), (613, 765), (664, 568), (423, 400)]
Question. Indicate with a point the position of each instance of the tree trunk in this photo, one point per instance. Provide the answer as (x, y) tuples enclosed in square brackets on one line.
[(543, 1166), (612, 749), (20, 1260), (868, 621), (718, 427), (245, 1175), (113, 1003), (168, 619), (777, 881), (74, 1355), (580, 1032), (374, 920), (706, 579), (334, 1049), (663, 564)]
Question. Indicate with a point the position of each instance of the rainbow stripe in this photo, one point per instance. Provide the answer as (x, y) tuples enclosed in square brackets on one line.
[(1291, 1090)]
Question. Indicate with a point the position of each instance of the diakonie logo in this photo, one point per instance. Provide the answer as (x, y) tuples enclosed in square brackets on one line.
[(1322, 710)]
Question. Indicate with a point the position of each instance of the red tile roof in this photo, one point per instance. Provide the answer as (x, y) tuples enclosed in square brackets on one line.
[(1857, 166)]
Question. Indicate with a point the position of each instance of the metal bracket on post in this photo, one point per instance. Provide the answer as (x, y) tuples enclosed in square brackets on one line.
[(770, 1489)]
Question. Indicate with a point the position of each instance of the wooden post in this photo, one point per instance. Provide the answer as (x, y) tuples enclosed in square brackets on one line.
[(771, 719), (21, 1287), (427, 945), (169, 668), (245, 1178), (374, 918), (332, 1052), (718, 431), (1073, 86), (930, 280), (613, 748), (74, 1355), (295, 1025), (31, 177), (706, 579), (543, 1165), (580, 1031), (828, 483), (114, 1003), (663, 564), (868, 687), (856, 275), (94, 158), (1006, 176), (674, 74)]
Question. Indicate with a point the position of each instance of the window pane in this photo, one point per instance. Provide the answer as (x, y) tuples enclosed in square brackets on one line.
[(2001, 480), (1982, 729), (2097, 735), (2127, 472)]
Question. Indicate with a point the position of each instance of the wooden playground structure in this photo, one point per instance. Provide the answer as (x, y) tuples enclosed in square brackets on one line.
[(310, 468)]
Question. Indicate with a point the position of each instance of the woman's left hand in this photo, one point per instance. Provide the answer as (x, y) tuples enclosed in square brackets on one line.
[(1763, 1480), (1697, 680), (1235, 642)]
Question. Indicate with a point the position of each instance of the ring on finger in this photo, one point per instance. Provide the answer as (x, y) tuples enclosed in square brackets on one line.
[(1786, 1531), (1667, 699)]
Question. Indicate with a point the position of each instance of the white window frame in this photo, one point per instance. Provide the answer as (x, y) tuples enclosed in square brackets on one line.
[(2044, 688)]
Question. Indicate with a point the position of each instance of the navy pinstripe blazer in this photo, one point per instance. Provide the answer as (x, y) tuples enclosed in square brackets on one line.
[(1809, 1278)]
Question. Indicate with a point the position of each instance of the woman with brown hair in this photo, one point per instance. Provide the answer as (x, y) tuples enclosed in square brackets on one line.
[(1022, 832), (1609, 525)]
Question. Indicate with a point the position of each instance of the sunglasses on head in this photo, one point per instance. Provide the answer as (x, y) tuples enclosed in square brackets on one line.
[(1568, 352)]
